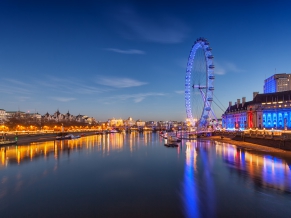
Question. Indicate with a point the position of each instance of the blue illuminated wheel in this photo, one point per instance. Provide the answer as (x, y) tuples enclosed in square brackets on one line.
[(199, 84)]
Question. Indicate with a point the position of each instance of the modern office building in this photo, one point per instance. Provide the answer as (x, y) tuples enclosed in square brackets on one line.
[(277, 83)]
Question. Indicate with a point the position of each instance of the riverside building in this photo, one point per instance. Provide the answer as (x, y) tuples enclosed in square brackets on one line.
[(268, 110)]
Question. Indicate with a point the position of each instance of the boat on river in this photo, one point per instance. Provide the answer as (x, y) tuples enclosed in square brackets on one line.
[(173, 139), (164, 134), (66, 137), (170, 144), (3, 143), (112, 131)]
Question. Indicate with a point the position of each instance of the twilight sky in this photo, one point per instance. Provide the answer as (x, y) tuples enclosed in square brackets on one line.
[(128, 58)]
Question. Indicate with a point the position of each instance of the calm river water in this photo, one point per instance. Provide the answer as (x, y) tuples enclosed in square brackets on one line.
[(135, 175)]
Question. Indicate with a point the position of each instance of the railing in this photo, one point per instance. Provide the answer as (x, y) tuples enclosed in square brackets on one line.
[(267, 134)]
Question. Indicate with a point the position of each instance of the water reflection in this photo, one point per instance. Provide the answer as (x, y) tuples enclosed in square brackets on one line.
[(189, 183), (135, 173), (207, 164), (264, 170), (199, 191), (105, 143)]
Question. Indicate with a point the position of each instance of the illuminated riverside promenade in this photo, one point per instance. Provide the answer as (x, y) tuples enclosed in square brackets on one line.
[(135, 175)]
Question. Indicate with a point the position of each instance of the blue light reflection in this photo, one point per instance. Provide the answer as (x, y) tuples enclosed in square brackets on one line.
[(189, 184)]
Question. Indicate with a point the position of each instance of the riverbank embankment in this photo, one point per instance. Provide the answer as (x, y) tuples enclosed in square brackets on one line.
[(41, 137)]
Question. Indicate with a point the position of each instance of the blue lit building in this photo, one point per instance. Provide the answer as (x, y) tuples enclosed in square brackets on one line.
[(277, 83), (276, 109), (235, 116), (268, 110)]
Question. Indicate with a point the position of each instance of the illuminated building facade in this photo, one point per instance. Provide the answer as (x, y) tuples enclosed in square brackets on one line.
[(151, 124), (269, 110), (129, 122), (276, 109), (115, 122), (140, 123), (277, 83), (235, 117)]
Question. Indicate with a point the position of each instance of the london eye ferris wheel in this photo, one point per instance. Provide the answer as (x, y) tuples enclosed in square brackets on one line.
[(199, 84)]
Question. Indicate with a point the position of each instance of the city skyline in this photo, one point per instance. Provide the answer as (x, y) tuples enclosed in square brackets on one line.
[(128, 58)]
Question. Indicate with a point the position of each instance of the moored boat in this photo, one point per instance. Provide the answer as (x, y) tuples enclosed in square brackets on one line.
[(174, 139), (66, 137), (2, 143), (169, 144), (164, 134), (112, 131)]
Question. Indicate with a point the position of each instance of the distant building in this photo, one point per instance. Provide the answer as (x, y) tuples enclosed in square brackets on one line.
[(140, 123), (35, 116), (59, 117), (2, 115), (129, 122), (162, 124), (10, 114), (115, 122), (277, 83), (151, 124)]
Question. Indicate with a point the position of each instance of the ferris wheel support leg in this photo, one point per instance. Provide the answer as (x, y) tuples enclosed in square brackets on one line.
[(213, 114), (204, 99)]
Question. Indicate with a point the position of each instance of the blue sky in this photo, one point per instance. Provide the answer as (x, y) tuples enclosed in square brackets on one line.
[(128, 58)]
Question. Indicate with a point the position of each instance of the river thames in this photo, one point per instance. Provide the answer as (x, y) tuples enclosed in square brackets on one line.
[(135, 175)]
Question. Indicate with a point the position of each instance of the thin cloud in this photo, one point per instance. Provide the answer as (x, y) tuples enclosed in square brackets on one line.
[(219, 70), (130, 51), (231, 67), (136, 97), (63, 99), (226, 67), (23, 98), (12, 86), (70, 86), (159, 28), (7, 89), (89, 90), (180, 92), (119, 82), (17, 82)]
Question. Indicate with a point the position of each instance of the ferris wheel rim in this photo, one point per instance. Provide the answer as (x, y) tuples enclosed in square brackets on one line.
[(203, 44)]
